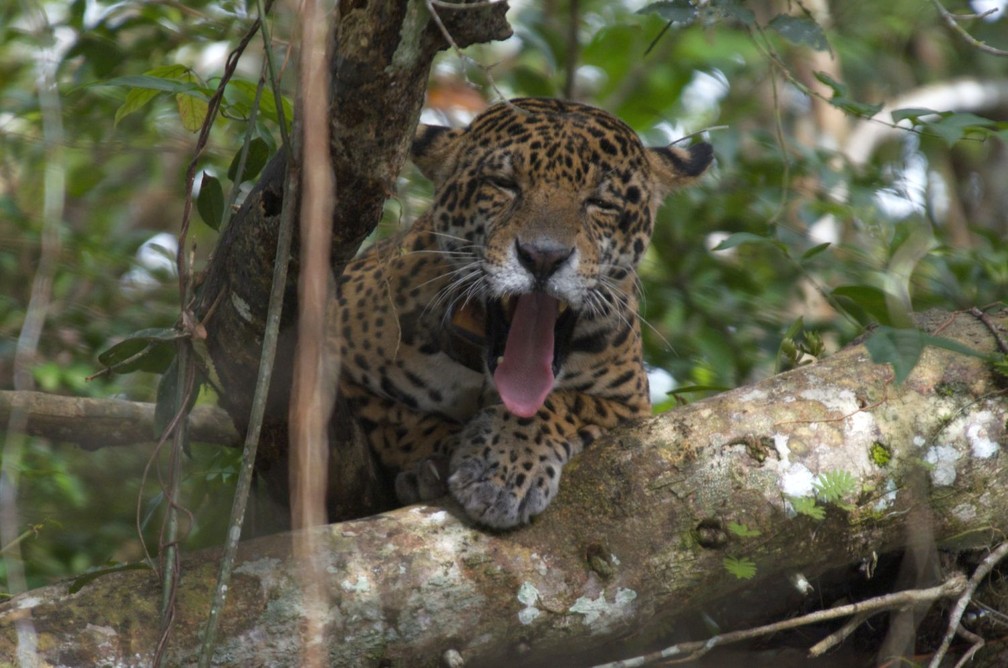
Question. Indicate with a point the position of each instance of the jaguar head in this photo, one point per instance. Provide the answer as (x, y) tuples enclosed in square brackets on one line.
[(544, 209)]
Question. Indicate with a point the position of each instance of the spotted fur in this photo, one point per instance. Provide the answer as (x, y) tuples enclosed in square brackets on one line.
[(536, 196)]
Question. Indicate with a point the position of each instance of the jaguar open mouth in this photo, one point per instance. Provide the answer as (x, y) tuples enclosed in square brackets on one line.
[(528, 337)]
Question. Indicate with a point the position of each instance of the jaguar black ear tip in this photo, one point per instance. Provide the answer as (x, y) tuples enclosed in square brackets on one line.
[(702, 155)]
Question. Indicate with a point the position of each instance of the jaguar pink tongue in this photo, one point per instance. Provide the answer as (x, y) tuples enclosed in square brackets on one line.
[(525, 374)]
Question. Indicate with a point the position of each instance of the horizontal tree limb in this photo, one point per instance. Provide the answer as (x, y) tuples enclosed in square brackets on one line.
[(634, 545), (99, 423)]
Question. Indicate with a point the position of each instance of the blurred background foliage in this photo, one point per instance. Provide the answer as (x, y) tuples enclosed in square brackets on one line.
[(814, 222)]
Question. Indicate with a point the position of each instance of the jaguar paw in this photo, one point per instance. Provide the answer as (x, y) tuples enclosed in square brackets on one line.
[(498, 494), (424, 481)]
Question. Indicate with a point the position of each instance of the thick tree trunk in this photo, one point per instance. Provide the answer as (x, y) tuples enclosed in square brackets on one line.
[(633, 546), (380, 60)]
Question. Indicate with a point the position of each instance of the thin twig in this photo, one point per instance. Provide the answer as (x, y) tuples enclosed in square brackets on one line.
[(658, 37), (782, 142), (243, 155), (976, 644), (213, 106), (280, 264), (952, 21), (185, 360), (274, 76), (573, 49), (838, 636), (993, 328), (270, 335), (458, 50), (981, 572), (802, 87), (688, 651), (699, 133), (171, 563)]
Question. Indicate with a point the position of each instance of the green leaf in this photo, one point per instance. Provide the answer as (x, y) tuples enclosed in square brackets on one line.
[(150, 82), (742, 530), (173, 71), (834, 486), (743, 568), (258, 154), (147, 350), (800, 30), (839, 88), (813, 343), (192, 110), (806, 505), (902, 348), (243, 94), (899, 347), (136, 99), (954, 346), (912, 114), (190, 92), (815, 250), (210, 201), (844, 103), (740, 238), (865, 302), (797, 326), (680, 12), (954, 126)]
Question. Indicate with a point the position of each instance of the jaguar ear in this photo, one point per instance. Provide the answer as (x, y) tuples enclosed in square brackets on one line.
[(673, 166), (434, 150)]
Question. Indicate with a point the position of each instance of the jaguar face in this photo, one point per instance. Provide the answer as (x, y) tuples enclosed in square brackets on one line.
[(543, 208)]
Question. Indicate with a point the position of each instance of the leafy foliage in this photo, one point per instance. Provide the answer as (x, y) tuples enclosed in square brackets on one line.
[(132, 83), (835, 486), (806, 505), (902, 348), (742, 568), (787, 251)]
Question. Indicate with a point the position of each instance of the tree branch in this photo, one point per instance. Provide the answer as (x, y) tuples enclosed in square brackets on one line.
[(952, 21), (99, 423), (982, 571), (634, 545), (689, 651)]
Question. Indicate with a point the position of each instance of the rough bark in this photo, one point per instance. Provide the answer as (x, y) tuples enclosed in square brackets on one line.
[(380, 60), (631, 549)]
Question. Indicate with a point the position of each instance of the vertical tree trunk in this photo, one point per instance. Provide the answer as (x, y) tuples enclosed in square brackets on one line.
[(381, 53)]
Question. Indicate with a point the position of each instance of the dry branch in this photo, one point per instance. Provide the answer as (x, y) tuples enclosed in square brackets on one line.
[(633, 546)]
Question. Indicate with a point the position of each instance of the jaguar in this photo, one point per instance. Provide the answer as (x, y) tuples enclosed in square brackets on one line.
[(491, 342)]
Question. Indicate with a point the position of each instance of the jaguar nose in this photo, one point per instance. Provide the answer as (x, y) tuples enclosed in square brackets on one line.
[(542, 259)]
